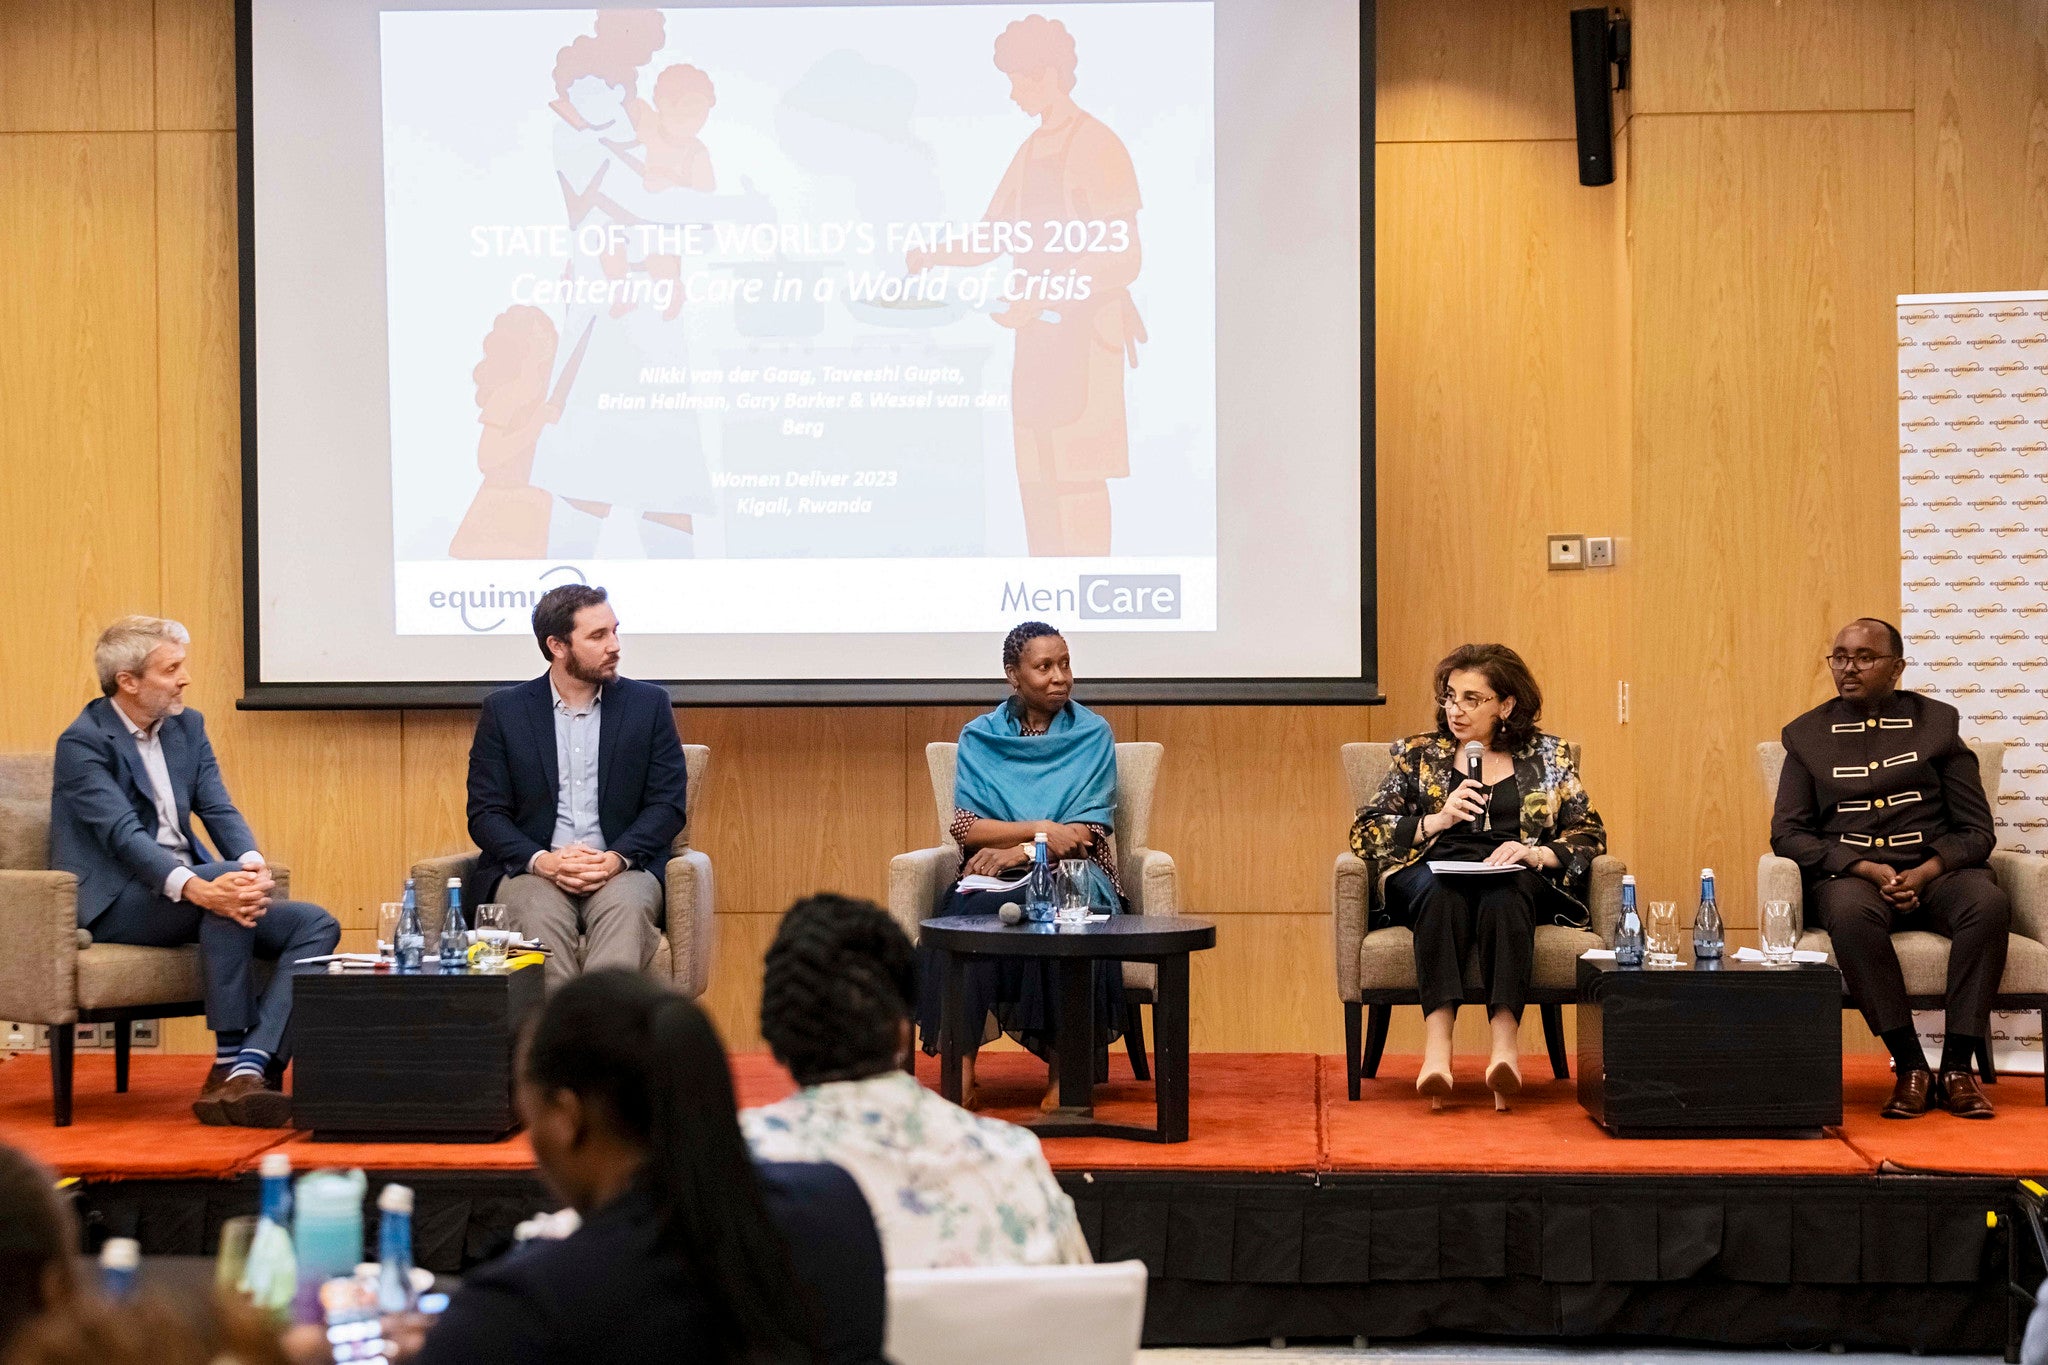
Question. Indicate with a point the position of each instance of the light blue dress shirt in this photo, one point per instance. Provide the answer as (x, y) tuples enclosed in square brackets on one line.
[(576, 766)]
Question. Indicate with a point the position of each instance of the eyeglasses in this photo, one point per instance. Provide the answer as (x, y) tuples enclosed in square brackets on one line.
[(1860, 662), (1464, 701)]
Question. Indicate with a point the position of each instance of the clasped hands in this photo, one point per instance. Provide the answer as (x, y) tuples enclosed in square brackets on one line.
[(1901, 890), (242, 896), (1061, 841), (578, 869), (1468, 802)]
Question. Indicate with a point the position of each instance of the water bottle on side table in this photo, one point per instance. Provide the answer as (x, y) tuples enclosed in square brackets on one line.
[(1628, 931), (120, 1258), (1706, 926), (454, 931), (1041, 896), (271, 1275), (409, 944)]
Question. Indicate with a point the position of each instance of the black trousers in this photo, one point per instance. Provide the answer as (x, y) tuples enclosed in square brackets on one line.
[(1453, 916), (1967, 907)]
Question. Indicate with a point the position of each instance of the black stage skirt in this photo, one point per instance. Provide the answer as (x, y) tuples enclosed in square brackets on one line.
[(1017, 996)]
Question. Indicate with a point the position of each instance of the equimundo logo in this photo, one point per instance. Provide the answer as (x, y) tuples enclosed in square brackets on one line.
[(485, 609), (1103, 597)]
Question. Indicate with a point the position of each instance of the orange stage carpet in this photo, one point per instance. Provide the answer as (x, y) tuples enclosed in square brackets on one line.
[(1250, 1112)]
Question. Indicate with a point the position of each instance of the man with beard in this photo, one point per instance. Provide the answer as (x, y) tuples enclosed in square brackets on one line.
[(131, 772), (576, 789)]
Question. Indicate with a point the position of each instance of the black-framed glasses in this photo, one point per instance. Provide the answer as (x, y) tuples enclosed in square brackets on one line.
[(1861, 661)]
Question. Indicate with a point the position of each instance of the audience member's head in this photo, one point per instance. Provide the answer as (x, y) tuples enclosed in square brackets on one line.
[(148, 1330), (38, 1242), (622, 1082), (840, 985)]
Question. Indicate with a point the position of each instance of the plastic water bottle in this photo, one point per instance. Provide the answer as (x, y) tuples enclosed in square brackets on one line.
[(1706, 926), (410, 949), (119, 1260), (271, 1274), (327, 1233), (1628, 932), (1040, 895), (454, 931), (394, 1249)]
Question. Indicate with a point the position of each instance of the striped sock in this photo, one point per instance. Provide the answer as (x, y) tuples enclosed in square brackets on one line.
[(250, 1061), (227, 1046)]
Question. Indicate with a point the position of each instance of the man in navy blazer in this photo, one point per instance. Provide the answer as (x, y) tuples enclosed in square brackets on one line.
[(576, 789), (131, 772)]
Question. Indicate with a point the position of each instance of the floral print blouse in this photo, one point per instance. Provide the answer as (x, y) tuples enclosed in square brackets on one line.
[(1556, 812), (947, 1187)]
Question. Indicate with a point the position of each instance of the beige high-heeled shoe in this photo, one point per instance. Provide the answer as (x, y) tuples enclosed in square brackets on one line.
[(1503, 1078), (1435, 1084)]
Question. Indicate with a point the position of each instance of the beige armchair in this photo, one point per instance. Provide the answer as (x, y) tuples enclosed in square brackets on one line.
[(683, 958), (918, 882), (1376, 967), (51, 972), (1923, 956)]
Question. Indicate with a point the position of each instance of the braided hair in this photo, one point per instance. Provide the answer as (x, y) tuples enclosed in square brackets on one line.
[(1014, 642), (841, 978)]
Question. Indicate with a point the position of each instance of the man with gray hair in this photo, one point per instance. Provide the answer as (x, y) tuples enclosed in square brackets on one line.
[(131, 772)]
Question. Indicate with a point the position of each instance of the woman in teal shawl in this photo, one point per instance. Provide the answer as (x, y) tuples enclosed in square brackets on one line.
[(1040, 763)]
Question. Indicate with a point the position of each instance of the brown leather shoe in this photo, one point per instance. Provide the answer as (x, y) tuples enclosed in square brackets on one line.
[(207, 1107), (249, 1103), (1912, 1096), (1959, 1091)]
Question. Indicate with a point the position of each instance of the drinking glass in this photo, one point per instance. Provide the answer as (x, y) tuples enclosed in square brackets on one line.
[(1779, 931), (387, 928), (1660, 933), (233, 1257), (493, 935), (1073, 907)]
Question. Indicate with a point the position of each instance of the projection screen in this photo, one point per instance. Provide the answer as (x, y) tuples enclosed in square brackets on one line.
[(833, 339)]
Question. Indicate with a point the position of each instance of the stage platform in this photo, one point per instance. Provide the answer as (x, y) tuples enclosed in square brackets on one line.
[(1295, 1212)]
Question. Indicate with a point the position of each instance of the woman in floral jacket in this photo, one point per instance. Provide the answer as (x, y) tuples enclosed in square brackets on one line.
[(1527, 815)]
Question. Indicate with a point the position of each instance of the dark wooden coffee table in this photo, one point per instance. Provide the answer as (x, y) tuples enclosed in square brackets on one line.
[(1163, 939), (1727, 1049), (414, 1057)]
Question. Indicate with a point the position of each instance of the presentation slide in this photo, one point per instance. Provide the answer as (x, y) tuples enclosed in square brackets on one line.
[(831, 339)]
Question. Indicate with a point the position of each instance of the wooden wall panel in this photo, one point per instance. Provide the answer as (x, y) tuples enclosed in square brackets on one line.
[(435, 781), (1981, 146), (1501, 374), (1477, 71), (78, 472), (1737, 56), (195, 62), (1767, 254), (75, 66)]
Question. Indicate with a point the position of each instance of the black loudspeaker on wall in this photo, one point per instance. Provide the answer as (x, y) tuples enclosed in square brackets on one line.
[(1599, 42)]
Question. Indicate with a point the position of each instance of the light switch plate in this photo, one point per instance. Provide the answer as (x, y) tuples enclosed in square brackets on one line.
[(1599, 552), (1567, 552)]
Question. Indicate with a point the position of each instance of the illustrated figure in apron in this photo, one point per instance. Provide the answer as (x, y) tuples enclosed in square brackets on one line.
[(1067, 387)]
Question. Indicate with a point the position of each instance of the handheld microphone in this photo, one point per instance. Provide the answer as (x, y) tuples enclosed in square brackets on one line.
[(1475, 760)]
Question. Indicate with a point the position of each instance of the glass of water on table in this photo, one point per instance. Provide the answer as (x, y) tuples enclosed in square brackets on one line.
[(1073, 888), (493, 937), (387, 929)]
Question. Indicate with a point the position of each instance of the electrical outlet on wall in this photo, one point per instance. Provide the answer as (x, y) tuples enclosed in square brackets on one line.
[(20, 1038), (1599, 552), (144, 1033), (1567, 552)]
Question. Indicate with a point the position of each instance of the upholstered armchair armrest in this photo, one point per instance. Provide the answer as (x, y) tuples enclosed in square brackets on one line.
[(39, 947), (1350, 901), (1777, 879), (2025, 879), (1153, 884), (430, 887), (918, 882), (692, 933), (282, 877), (1603, 895)]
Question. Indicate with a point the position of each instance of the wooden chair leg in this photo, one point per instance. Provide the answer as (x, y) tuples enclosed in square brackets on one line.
[(1134, 1035), (62, 1039), (1377, 1017), (1354, 1044), (1985, 1066), (1553, 1037), (124, 1043)]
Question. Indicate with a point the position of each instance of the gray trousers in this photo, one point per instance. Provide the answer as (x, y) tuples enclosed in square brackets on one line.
[(614, 926)]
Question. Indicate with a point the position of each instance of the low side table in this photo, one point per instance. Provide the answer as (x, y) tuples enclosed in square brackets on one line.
[(408, 1057), (1727, 1049), (1164, 939)]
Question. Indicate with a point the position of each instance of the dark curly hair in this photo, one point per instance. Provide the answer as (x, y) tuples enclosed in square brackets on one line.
[(1014, 642), (841, 978), (1508, 676)]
